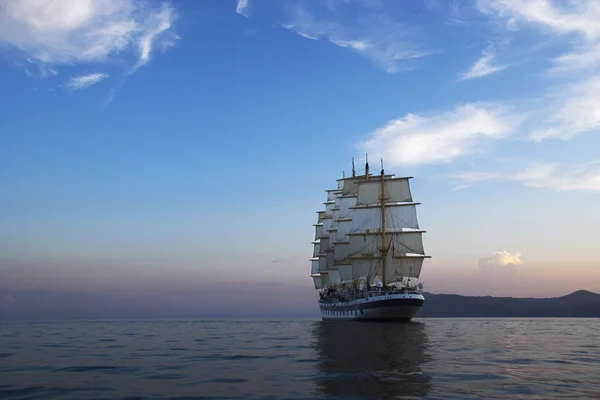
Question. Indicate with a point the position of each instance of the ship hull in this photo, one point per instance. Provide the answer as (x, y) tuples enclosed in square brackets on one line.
[(394, 307)]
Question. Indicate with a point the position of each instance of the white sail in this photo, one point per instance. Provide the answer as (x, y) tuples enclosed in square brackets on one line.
[(322, 263), (318, 230), (396, 190), (324, 244), (364, 269), (335, 215), (408, 242), (316, 249), (315, 266), (333, 194), (330, 258), (343, 229), (350, 186), (318, 282), (321, 215), (333, 236), (345, 271), (325, 279), (345, 204), (329, 206), (370, 244), (339, 251), (396, 217), (403, 267), (334, 276), (326, 226)]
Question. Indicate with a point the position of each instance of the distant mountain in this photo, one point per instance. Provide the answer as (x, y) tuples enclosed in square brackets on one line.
[(577, 304)]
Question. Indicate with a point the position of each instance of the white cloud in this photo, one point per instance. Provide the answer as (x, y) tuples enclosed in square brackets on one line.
[(482, 67), (40, 70), (242, 7), (573, 109), (158, 23), (467, 179), (364, 27), (500, 259), (82, 31), (581, 59), (83, 81), (577, 112), (580, 18), (432, 139), (553, 176), (582, 177), (573, 19)]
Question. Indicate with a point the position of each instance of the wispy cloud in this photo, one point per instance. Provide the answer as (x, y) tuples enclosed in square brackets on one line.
[(572, 109), (364, 27), (553, 176), (580, 17), (576, 110), (242, 7), (157, 23), (483, 67), (440, 138), (576, 21), (581, 177), (563, 111), (71, 32), (467, 179), (39, 70), (84, 81)]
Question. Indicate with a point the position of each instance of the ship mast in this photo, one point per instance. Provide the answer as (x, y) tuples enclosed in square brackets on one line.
[(384, 246)]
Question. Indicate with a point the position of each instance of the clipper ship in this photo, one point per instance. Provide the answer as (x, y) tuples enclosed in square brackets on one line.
[(368, 250)]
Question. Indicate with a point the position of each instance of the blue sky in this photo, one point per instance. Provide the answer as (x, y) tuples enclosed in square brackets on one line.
[(178, 143)]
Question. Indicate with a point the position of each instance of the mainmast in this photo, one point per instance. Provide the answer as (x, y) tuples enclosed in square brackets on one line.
[(384, 246)]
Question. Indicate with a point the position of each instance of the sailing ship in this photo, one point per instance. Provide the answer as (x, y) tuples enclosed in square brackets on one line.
[(368, 250)]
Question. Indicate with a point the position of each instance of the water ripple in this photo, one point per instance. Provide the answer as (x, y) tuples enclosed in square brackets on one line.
[(193, 359)]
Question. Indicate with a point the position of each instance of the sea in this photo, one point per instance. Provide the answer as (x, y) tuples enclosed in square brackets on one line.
[(300, 359)]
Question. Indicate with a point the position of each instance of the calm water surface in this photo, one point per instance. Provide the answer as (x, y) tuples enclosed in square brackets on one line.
[(429, 358)]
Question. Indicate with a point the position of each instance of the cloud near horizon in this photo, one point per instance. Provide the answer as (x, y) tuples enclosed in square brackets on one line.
[(500, 259), (554, 176)]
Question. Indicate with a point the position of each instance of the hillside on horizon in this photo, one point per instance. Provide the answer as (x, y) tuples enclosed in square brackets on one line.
[(581, 304)]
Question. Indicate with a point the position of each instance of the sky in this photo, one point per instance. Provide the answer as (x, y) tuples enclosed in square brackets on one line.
[(168, 158)]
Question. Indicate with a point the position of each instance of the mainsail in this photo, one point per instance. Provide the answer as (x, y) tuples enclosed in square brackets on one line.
[(368, 232)]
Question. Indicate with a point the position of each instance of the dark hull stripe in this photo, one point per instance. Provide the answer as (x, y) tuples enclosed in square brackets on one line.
[(392, 320), (374, 304)]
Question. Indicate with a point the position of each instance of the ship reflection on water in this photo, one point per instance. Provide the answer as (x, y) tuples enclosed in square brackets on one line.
[(372, 360)]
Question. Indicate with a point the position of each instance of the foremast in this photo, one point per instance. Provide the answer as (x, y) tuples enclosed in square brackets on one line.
[(384, 244)]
